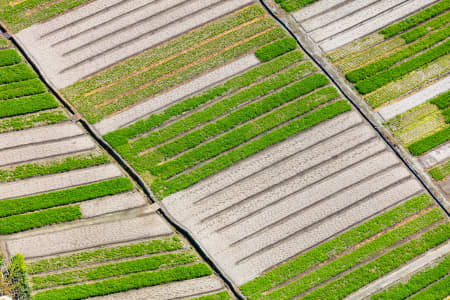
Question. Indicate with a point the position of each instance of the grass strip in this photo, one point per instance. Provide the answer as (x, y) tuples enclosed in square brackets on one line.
[(437, 291), (418, 32), (3, 43), (165, 50), (27, 105), (442, 101), (36, 169), (122, 284), (104, 255), (215, 110), (165, 188), (240, 116), (28, 12), (175, 64), (121, 136), (9, 57), (275, 49), (247, 131), (219, 296), (82, 193), (32, 120), (382, 265), (428, 143), (17, 72), (291, 5), (440, 172), (446, 114), (415, 283), (29, 221), (21, 89), (416, 19), (354, 258), (97, 114), (111, 270), (335, 246), (385, 77), (386, 62)]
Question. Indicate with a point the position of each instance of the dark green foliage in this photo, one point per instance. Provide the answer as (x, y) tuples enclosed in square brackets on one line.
[(27, 105), (35, 169), (291, 5), (21, 89), (420, 31), (383, 78), (104, 255), (428, 143), (31, 203), (335, 246), (418, 18), (275, 49), (24, 222), (386, 62), (442, 101), (9, 57), (165, 188), (134, 281), (415, 283), (18, 72)]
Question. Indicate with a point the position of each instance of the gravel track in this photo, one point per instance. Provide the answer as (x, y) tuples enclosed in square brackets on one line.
[(415, 99), (315, 9), (372, 25), (436, 156), (153, 104), (39, 135), (47, 183), (110, 204), (45, 150), (66, 70), (89, 236), (335, 14), (176, 290)]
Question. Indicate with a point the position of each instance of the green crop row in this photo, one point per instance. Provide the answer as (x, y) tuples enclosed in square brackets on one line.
[(165, 188), (166, 50), (442, 101), (291, 5), (112, 270), (215, 110), (121, 136), (18, 16), (178, 62), (122, 284), (21, 89), (27, 105), (36, 169), (219, 296), (440, 172), (9, 57), (416, 19), (18, 72), (104, 255), (95, 115), (354, 258), (446, 114), (335, 246), (437, 291), (387, 62), (415, 283), (247, 131), (428, 143), (239, 116), (420, 31), (31, 203), (382, 265), (383, 78), (275, 49), (17, 223), (32, 120)]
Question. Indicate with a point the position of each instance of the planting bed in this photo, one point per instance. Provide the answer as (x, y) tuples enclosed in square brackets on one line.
[(396, 56)]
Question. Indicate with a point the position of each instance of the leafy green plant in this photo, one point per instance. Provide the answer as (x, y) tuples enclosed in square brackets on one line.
[(440, 172), (21, 89), (275, 49), (437, 291), (291, 5), (9, 57), (428, 143), (420, 31), (32, 120), (27, 105)]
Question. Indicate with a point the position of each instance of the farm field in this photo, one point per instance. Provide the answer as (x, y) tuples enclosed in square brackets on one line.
[(61, 193), (395, 55), (241, 139)]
